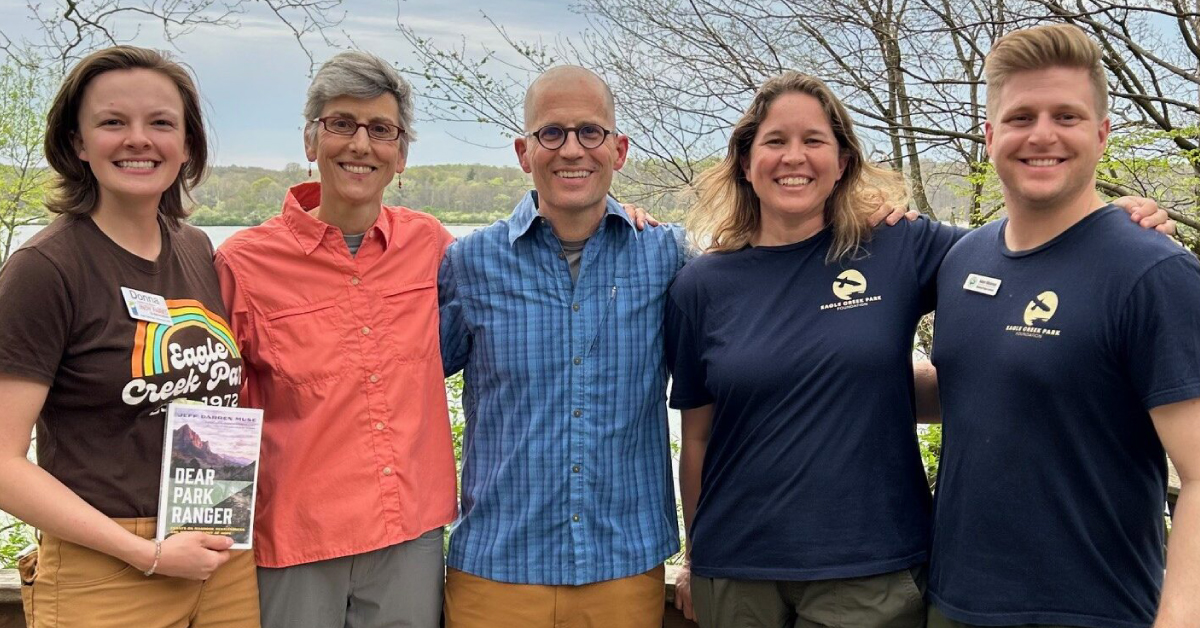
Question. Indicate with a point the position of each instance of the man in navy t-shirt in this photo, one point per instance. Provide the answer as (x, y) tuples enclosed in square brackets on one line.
[(1067, 345)]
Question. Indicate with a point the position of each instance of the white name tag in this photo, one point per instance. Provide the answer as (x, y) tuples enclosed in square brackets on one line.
[(144, 306), (983, 285)]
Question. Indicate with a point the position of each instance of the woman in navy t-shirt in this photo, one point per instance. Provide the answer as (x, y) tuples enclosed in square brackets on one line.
[(791, 349)]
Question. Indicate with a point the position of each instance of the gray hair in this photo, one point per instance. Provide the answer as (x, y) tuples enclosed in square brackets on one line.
[(358, 75)]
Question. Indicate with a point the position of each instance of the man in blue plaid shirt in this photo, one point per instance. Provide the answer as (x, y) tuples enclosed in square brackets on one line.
[(556, 317)]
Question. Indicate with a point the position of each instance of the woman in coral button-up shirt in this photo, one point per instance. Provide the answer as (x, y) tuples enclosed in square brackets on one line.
[(334, 302)]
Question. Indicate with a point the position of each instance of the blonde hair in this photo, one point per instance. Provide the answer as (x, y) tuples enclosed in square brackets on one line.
[(1041, 47), (727, 212)]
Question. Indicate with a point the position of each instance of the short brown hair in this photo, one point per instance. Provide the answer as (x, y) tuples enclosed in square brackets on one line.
[(75, 189), (1041, 47), (727, 212)]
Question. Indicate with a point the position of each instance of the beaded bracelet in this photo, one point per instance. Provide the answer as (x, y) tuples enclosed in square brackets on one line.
[(157, 555)]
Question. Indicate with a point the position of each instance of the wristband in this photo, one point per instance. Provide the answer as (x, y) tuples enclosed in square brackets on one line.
[(157, 555)]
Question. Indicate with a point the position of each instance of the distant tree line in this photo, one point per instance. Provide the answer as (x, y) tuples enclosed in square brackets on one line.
[(454, 193)]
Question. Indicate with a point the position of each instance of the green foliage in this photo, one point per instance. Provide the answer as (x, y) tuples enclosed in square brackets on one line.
[(930, 439), (1150, 162), (458, 420), (454, 193), (23, 104), (15, 538)]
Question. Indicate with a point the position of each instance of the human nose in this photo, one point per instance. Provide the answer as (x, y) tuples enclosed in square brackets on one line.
[(794, 153), (571, 147), (360, 141), (1043, 131), (136, 136)]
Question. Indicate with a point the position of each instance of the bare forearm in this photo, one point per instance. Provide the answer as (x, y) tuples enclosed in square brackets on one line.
[(1180, 605), (929, 406), (34, 496), (691, 461)]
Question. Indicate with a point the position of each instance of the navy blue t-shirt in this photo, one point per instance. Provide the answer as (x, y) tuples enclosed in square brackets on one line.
[(812, 470), (1050, 495)]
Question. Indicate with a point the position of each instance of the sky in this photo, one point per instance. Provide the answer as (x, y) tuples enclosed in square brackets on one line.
[(253, 79)]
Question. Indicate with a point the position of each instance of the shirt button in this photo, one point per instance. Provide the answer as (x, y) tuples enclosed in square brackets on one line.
[(366, 330), (574, 517), (354, 281), (578, 361), (575, 469), (387, 470), (379, 426), (577, 413), (575, 307), (374, 378), (562, 255)]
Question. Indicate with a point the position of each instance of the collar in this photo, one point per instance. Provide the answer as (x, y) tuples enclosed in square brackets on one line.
[(526, 213), (302, 198)]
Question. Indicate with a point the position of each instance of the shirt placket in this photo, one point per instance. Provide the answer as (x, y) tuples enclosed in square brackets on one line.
[(581, 315), (369, 330)]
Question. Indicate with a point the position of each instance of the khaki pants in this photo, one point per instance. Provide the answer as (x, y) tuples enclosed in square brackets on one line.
[(633, 602), (890, 600), (64, 585)]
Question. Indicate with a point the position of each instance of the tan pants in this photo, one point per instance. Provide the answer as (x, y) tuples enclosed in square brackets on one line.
[(64, 585), (633, 602)]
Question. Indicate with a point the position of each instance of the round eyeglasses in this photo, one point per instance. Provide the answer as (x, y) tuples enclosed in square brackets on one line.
[(553, 136), (381, 131)]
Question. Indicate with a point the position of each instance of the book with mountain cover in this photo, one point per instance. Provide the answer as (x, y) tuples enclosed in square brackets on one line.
[(210, 471)]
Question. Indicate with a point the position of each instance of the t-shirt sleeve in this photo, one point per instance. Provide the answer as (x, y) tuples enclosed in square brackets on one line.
[(683, 348), (455, 339), (1161, 332), (931, 241), (36, 309)]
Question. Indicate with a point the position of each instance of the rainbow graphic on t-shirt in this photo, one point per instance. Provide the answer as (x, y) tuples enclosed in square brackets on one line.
[(152, 339)]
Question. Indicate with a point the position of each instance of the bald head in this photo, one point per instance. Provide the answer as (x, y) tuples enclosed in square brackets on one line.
[(567, 77)]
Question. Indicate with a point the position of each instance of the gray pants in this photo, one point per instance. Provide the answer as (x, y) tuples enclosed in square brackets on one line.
[(394, 587), (890, 600)]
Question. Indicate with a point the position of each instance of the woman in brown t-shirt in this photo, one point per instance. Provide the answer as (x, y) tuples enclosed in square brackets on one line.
[(126, 139)]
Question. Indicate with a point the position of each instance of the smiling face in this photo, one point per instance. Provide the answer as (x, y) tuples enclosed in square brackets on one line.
[(571, 179), (131, 134), (1045, 137), (794, 162), (355, 169)]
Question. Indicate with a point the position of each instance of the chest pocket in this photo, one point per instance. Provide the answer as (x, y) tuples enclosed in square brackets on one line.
[(410, 318), (308, 341), (630, 304)]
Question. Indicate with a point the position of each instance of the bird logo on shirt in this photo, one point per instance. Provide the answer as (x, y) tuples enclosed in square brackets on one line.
[(849, 283), (1041, 308)]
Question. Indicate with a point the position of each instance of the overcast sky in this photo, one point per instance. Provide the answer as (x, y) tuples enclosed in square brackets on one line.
[(253, 78)]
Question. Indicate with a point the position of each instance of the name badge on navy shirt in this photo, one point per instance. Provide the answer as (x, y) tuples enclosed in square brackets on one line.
[(145, 306), (981, 284)]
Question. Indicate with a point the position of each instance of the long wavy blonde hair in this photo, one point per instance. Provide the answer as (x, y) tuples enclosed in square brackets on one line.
[(727, 214)]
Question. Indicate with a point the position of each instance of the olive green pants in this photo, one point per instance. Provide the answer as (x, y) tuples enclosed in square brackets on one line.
[(890, 600), (938, 620)]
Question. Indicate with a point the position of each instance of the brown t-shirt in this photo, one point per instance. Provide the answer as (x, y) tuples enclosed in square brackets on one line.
[(111, 375)]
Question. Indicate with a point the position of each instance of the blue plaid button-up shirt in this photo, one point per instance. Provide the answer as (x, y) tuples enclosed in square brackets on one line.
[(566, 466)]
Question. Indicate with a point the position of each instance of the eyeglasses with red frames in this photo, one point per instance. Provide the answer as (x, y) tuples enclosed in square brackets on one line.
[(381, 131)]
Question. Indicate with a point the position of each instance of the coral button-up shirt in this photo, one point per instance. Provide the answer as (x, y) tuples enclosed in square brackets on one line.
[(342, 354)]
